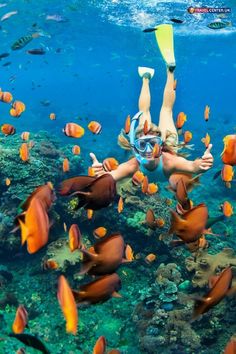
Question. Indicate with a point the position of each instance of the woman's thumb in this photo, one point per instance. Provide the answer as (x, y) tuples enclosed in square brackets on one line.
[(208, 150), (93, 157)]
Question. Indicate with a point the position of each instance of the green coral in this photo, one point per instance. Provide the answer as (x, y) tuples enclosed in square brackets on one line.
[(137, 219)]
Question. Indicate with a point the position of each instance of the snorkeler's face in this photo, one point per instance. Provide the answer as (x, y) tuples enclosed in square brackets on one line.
[(145, 145)]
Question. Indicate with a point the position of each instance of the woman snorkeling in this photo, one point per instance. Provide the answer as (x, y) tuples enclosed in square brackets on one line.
[(163, 137)]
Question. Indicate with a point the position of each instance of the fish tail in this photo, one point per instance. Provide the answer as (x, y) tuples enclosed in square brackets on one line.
[(24, 232), (90, 259)]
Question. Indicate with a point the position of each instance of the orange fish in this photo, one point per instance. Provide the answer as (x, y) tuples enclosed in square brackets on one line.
[(206, 140), (150, 219), (191, 225), (156, 152), (66, 165), (24, 152), (227, 209), (99, 290), (206, 113), (150, 258), (137, 178), (181, 119), (127, 124), (8, 182), (129, 255), (228, 155), (34, 226), (230, 347), (17, 109), (187, 136), (110, 164), (120, 205), (219, 287), (188, 180), (25, 136), (145, 185), (73, 130), (8, 129), (175, 84), (68, 305), (152, 188), (45, 193), (89, 214), (160, 222), (100, 232), (52, 116), (50, 264), (100, 346), (227, 174), (105, 256), (74, 238), (76, 150), (145, 127), (6, 97), (91, 172), (203, 242), (182, 197), (95, 127), (21, 320)]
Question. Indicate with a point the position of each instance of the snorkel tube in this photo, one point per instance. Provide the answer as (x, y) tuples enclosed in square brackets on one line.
[(142, 160)]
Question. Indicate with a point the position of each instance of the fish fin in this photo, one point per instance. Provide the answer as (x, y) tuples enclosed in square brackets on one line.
[(231, 291), (124, 260), (175, 220), (78, 295), (85, 268), (116, 294), (15, 229), (212, 281), (195, 181), (216, 175), (24, 232), (91, 259)]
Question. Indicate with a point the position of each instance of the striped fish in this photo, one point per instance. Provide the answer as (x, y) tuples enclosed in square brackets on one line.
[(22, 41), (219, 25)]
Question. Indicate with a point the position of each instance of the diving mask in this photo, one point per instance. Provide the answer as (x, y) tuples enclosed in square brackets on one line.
[(143, 144), (147, 143)]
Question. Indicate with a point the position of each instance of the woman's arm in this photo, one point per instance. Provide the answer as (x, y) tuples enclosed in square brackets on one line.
[(201, 165), (125, 169)]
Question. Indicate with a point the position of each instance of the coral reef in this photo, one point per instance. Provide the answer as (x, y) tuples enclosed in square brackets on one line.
[(205, 265), (59, 251)]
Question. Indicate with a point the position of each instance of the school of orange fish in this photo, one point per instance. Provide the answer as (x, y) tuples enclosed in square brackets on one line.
[(188, 223)]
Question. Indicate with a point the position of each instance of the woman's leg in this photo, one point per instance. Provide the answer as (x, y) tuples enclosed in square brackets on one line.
[(166, 121), (145, 102)]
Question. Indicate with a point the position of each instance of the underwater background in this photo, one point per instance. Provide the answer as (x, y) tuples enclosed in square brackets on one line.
[(89, 72)]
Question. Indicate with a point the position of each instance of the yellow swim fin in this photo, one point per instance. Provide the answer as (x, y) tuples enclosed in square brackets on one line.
[(165, 41)]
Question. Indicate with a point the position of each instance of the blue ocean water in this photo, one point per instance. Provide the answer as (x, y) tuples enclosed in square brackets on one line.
[(89, 72)]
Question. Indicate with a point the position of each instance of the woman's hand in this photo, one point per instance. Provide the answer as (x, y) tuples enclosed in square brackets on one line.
[(97, 166), (206, 161)]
